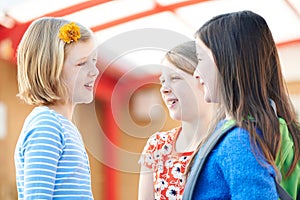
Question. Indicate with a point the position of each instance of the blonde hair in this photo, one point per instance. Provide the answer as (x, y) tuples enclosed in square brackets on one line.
[(40, 58)]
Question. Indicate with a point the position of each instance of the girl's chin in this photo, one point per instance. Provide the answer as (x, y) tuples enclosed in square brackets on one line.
[(207, 100), (175, 116), (84, 101)]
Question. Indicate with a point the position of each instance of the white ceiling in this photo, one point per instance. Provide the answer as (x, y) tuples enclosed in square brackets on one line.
[(283, 17)]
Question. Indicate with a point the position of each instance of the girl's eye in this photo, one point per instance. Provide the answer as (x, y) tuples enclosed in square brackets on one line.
[(176, 78), (82, 64), (162, 81), (199, 58)]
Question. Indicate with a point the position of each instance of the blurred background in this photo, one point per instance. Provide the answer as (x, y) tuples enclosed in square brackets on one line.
[(133, 36)]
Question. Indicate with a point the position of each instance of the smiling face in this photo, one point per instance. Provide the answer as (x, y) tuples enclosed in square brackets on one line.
[(207, 72), (180, 93), (80, 71)]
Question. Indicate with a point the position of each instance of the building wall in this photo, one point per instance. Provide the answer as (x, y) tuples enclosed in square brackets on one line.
[(16, 113)]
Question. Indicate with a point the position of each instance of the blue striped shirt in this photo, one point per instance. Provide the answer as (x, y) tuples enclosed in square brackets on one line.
[(50, 158)]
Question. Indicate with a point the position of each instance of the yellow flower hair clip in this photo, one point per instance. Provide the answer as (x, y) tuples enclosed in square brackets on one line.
[(69, 33)]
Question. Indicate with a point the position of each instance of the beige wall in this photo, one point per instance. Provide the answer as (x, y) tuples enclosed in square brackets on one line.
[(16, 113)]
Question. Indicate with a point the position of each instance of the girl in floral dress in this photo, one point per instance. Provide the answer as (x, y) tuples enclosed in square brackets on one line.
[(167, 153)]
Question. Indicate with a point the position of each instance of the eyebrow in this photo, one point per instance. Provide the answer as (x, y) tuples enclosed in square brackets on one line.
[(82, 59), (91, 55)]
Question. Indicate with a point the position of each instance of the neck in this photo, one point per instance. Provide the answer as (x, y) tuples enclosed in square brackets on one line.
[(228, 117), (190, 136), (64, 109)]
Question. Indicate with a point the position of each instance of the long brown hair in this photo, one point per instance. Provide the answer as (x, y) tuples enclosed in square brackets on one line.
[(249, 76)]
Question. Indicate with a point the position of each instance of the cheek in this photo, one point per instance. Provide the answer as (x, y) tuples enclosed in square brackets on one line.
[(207, 71), (74, 79), (201, 69), (68, 80)]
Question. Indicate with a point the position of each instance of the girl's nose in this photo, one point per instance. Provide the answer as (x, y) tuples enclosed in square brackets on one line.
[(165, 90), (196, 74), (94, 72)]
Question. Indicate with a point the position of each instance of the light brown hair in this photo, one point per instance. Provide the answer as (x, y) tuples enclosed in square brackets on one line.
[(184, 57)]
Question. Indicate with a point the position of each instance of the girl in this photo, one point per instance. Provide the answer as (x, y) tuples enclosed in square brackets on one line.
[(166, 155), (56, 70), (239, 68)]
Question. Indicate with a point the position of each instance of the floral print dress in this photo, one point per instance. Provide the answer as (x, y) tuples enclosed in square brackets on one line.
[(168, 166)]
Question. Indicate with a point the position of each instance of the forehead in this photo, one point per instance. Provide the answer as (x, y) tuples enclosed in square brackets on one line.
[(200, 46), (168, 70), (203, 50), (168, 67), (83, 49)]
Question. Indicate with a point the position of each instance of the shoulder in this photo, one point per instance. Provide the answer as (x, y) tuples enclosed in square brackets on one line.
[(161, 138), (235, 143), (235, 137), (42, 115), (159, 143), (236, 149), (164, 136), (43, 124)]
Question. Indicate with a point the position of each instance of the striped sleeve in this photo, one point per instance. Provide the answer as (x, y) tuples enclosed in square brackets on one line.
[(41, 149)]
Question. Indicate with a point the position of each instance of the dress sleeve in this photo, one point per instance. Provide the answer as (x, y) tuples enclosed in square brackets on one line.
[(41, 149), (248, 175), (147, 158)]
